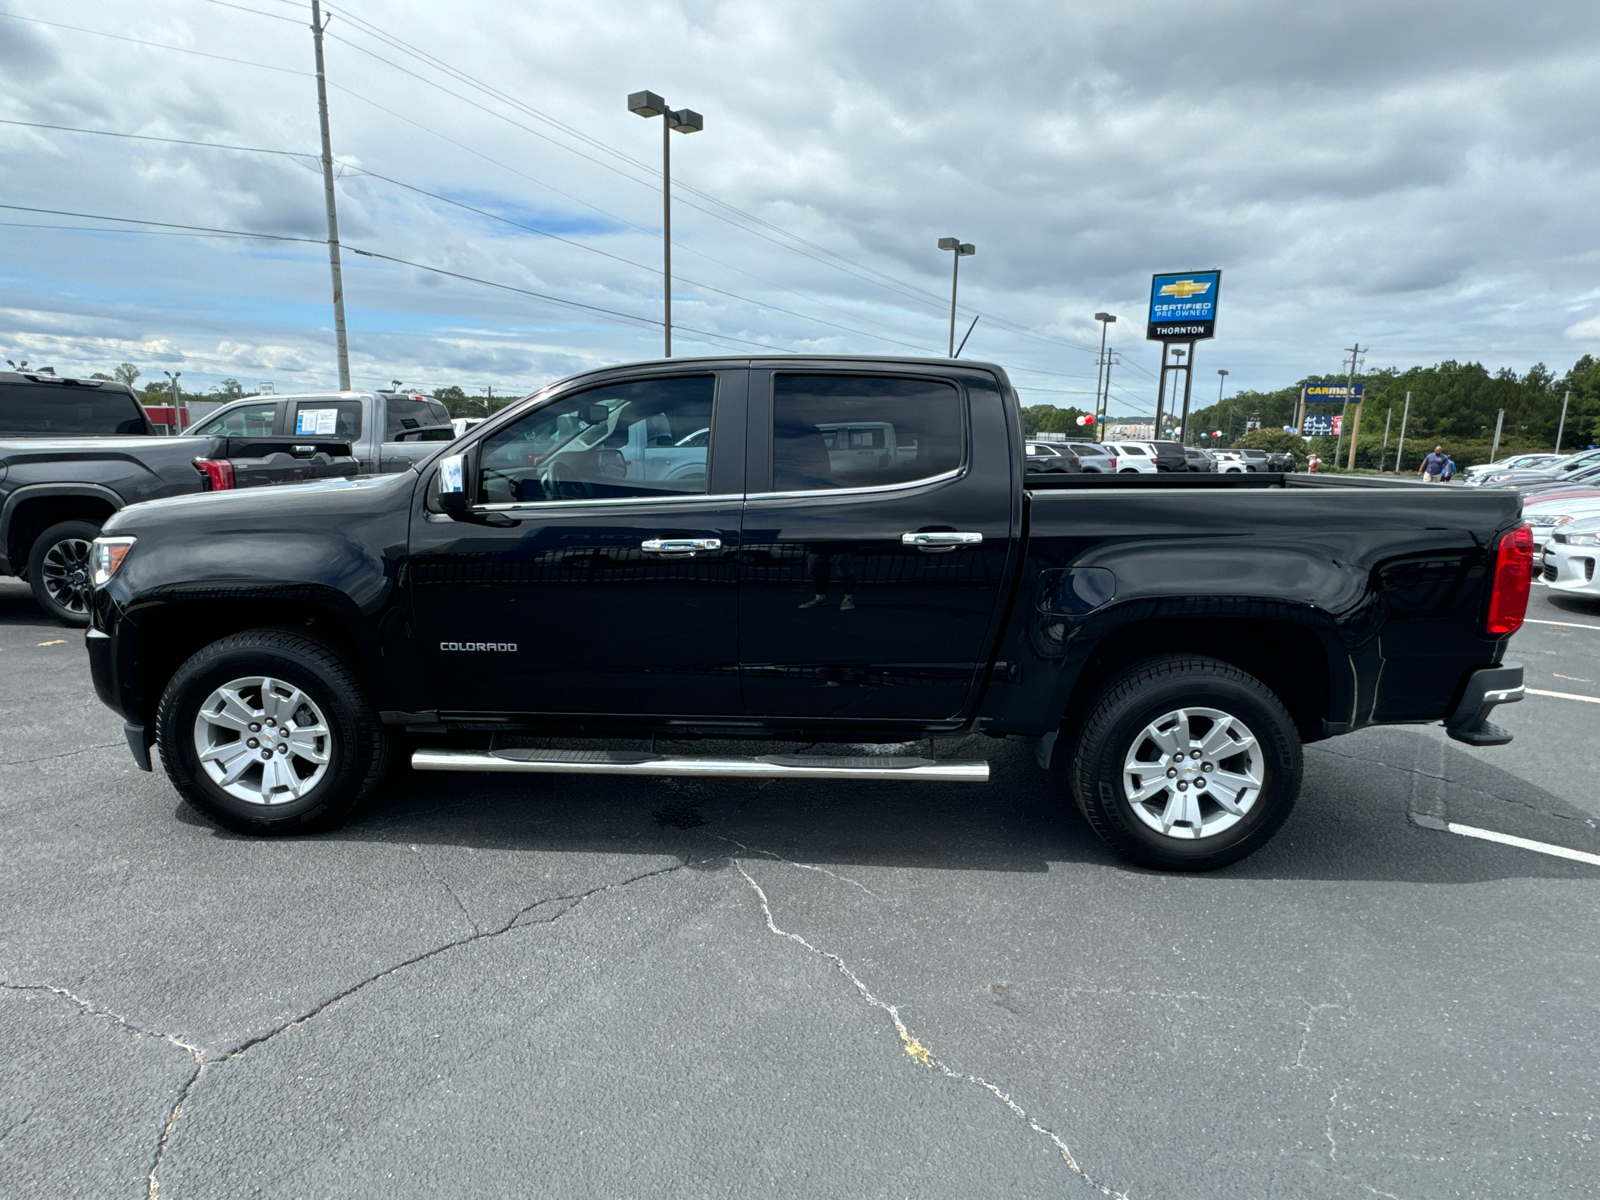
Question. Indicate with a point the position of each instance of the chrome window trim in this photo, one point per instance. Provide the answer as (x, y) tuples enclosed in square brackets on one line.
[(943, 477), (613, 502)]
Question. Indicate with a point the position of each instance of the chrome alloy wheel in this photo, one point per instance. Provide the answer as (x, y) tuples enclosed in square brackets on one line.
[(1193, 773), (65, 575), (262, 740)]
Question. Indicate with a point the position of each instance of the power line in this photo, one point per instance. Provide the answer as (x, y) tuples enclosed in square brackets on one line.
[(154, 45), (884, 279), (258, 12), (270, 237), (149, 137), (468, 208)]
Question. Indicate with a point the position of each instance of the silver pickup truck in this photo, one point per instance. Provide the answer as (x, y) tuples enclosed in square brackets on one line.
[(387, 431)]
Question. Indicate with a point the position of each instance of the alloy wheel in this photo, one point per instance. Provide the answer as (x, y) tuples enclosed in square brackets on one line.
[(65, 575), (1193, 773), (262, 740)]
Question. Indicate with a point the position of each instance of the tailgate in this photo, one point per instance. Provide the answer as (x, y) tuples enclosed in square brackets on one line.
[(260, 461)]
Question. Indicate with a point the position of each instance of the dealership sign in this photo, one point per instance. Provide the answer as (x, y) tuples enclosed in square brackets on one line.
[(1311, 393), (1183, 307)]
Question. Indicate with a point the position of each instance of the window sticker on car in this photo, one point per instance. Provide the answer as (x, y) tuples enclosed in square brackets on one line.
[(319, 422)]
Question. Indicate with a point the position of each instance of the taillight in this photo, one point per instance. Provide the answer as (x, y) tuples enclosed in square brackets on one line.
[(1113, 462), (218, 473), (1513, 579)]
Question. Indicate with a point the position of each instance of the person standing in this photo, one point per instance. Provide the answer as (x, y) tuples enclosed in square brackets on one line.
[(1433, 467), (1313, 463)]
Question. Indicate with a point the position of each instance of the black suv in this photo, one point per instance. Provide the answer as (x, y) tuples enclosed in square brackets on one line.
[(1170, 456)]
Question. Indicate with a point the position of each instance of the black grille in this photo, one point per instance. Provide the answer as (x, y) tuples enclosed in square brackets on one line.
[(1549, 572)]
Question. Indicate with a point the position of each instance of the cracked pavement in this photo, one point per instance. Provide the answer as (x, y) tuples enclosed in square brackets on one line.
[(576, 987)]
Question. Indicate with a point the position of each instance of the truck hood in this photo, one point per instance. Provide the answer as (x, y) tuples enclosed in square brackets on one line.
[(331, 498)]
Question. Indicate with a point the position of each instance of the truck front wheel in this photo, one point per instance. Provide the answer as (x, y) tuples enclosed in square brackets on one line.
[(1186, 764), (270, 732), (58, 571)]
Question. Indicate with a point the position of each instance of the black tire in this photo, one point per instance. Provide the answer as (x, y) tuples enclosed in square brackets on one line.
[(1118, 718), (58, 571), (358, 753)]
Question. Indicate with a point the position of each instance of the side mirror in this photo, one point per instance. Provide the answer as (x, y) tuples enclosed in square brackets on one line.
[(453, 494)]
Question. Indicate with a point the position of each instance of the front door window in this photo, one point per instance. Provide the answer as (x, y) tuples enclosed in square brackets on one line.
[(640, 439)]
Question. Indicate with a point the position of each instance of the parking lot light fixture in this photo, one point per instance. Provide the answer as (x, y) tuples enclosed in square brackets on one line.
[(962, 250), (684, 120)]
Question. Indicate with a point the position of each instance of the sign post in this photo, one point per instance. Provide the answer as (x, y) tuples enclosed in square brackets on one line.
[(1183, 310)]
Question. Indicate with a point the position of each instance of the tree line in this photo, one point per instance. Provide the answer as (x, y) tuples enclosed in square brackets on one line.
[(1453, 404)]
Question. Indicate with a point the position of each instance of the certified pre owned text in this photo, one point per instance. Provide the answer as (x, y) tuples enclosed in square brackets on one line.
[(500, 647)]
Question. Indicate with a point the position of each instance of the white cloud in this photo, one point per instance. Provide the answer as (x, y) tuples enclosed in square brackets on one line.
[(1427, 194)]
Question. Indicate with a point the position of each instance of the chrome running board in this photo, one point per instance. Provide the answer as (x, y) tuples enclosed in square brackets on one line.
[(765, 766)]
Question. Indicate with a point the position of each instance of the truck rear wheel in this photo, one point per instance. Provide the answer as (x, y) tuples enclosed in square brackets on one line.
[(58, 571), (1186, 764), (269, 732)]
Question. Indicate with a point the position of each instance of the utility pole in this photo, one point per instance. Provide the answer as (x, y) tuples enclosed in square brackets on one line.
[(1494, 451), (1102, 364), (342, 344), (1388, 416), (1560, 429), (1105, 408), (1401, 448), (1349, 390)]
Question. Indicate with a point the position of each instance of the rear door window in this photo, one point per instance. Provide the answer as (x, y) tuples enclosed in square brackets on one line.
[(63, 410), (407, 416), (1092, 450), (248, 420), (330, 416), (850, 431)]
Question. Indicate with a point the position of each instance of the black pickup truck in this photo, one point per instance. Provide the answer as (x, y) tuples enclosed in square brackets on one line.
[(74, 451), (835, 550)]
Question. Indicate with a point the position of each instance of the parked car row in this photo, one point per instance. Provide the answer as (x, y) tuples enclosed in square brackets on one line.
[(75, 451), (1130, 458)]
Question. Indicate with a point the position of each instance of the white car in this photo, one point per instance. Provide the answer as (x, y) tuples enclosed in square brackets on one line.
[(1133, 457), (1230, 462), (1568, 557), (1548, 513)]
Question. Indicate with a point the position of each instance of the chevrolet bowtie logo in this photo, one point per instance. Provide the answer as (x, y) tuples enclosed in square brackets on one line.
[(1184, 288)]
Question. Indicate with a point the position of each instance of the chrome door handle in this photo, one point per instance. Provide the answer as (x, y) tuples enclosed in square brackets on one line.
[(941, 540), (680, 547)]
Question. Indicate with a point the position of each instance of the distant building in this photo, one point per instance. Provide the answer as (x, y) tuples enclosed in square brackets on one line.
[(1131, 433)]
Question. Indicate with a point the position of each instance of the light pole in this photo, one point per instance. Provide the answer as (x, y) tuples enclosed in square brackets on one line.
[(962, 249), (648, 104), (1222, 379), (1102, 392)]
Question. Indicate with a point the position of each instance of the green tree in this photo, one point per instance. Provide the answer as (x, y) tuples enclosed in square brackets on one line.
[(230, 389), (1274, 441), (1047, 418), (126, 373)]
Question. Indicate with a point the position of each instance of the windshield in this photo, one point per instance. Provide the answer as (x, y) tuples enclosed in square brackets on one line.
[(63, 410)]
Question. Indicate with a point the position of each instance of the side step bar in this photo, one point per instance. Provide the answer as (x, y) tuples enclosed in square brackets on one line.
[(766, 766)]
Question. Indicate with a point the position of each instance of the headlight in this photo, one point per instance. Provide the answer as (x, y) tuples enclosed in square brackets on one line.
[(1583, 539), (1546, 520), (106, 556)]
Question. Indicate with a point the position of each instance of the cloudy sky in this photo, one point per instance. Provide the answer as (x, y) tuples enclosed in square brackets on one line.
[(1419, 177)]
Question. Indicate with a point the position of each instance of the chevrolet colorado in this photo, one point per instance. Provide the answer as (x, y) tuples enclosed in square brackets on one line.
[(693, 549)]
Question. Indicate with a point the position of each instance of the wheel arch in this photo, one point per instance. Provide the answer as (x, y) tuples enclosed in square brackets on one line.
[(155, 639), (1286, 655), (32, 509)]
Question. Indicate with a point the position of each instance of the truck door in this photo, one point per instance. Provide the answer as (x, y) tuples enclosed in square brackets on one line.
[(869, 583), (615, 593)]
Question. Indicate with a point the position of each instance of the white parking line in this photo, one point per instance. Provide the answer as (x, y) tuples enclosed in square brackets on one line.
[(1565, 696), (1563, 624), (1506, 839)]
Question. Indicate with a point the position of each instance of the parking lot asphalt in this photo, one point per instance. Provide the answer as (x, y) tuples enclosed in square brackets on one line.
[(573, 988)]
